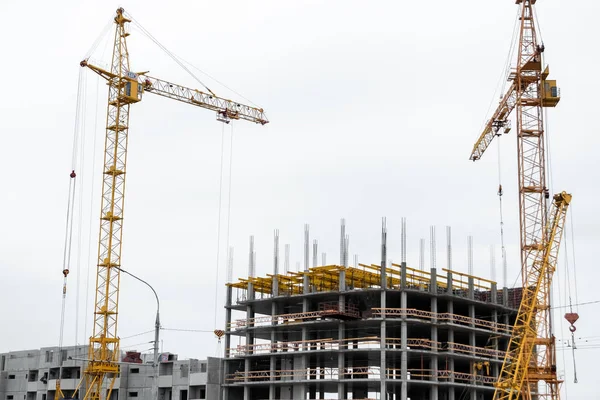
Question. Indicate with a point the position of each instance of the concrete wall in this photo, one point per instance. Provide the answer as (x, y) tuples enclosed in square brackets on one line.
[(31, 375)]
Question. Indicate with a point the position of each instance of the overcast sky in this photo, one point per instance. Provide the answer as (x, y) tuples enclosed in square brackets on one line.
[(374, 108)]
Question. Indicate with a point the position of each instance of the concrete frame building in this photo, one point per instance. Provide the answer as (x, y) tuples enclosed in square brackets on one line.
[(365, 332), (32, 375)]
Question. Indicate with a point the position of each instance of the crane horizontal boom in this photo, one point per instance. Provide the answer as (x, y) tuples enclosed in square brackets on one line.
[(499, 120), (226, 109)]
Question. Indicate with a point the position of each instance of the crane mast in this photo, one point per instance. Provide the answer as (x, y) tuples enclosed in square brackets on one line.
[(103, 351), (530, 91), (126, 88)]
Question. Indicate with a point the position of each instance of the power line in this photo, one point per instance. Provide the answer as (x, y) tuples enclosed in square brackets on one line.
[(578, 304), (186, 330)]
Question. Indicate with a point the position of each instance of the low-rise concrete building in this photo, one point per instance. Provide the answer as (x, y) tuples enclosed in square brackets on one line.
[(32, 375)]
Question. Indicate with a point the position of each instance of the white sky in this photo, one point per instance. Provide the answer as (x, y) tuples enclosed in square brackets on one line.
[(374, 107)]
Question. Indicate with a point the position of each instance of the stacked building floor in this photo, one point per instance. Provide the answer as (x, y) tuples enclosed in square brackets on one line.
[(366, 332)]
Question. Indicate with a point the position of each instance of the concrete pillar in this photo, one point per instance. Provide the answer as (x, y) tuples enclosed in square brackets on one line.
[(225, 371), (472, 342), (451, 350), (341, 361), (273, 359), (404, 344), (471, 288), (228, 320), (434, 333), (451, 395), (299, 389)]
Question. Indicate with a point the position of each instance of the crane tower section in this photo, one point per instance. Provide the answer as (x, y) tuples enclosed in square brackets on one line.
[(530, 91), (125, 88), (122, 92)]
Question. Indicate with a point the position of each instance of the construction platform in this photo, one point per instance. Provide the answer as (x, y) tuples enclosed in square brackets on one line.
[(366, 332)]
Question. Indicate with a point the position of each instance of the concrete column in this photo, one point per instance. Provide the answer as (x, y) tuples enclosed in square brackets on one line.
[(471, 288), (247, 391), (403, 342), (383, 363), (273, 359), (451, 350), (472, 342), (341, 361), (434, 333), (342, 288), (275, 289), (228, 321)]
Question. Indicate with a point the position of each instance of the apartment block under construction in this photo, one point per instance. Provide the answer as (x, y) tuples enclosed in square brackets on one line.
[(372, 331)]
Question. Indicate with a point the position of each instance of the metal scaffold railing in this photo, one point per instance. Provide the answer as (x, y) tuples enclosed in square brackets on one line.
[(363, 343), (354, 373)]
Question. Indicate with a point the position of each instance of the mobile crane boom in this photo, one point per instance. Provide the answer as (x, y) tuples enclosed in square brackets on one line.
[(519, 369)]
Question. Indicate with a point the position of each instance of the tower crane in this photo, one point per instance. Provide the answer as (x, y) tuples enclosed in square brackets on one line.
[(531, 358), (126, 87)]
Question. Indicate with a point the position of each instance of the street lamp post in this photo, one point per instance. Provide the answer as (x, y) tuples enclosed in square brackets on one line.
[(156, 334)]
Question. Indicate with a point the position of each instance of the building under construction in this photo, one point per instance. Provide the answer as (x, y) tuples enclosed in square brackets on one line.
[(365, 331)]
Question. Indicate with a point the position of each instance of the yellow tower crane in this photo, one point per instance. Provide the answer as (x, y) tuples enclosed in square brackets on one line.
[(125, 88), (529, 369)]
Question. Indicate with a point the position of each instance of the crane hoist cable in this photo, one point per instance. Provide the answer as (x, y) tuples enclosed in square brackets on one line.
[(92, 197), (500, 193), (571, 316), (79, 166), (163, 48), (68, 239), (229, 186), (219, 224)]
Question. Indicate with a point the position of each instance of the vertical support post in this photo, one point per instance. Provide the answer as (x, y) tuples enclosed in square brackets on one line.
[(227, 355), (346, 247), (422, 254), (342, 240), (451, 394), (404, 345), (286, 265), (492, 263), (315, 252), (249, 315), (306, 248), (230, 265), (323, 258), (470, 254), (383, 254), (403, 242), (275, 263), (449, 247), (434, 334), (383, 336), (432, 249), (251, 269)]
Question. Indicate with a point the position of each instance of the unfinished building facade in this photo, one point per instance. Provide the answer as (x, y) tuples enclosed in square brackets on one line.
[(366, 332)]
